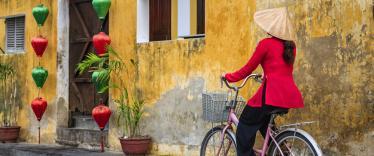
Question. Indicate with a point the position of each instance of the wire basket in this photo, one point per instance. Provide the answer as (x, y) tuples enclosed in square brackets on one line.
[(215, 106)]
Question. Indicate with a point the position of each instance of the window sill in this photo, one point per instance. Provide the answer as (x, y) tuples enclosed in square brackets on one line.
[(192, 36), (180, 38)]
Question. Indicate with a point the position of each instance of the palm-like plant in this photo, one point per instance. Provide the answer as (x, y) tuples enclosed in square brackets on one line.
[(103, 66), (129, 113), (8, 95)]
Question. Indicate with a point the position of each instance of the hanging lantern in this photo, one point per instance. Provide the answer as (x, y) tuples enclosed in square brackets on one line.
[(101, 7), (39, 44), (99, 84), (39, 74), (40, 13), (39, 105), (100, 42), (101, 115)]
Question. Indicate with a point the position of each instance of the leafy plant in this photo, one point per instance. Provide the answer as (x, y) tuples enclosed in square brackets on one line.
[(102, 65), (131, 111), (8, 95), (129, 114)]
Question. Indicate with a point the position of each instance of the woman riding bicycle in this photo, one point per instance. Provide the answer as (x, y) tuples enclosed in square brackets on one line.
[(278, 90)]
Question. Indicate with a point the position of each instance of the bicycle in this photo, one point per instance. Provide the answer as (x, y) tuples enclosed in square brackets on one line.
[(284, 140)]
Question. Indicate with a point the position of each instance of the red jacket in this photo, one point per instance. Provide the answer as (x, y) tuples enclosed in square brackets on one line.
[(281, 90)]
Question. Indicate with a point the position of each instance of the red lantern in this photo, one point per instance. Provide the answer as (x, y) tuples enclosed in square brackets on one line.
[(39, 105), (101, 114), (39, 44), (100, 42)]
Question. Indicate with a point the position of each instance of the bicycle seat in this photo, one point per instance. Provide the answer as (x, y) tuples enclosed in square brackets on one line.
[(279, 111)]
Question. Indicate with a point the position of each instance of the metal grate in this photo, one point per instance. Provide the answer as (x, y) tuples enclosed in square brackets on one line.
[(15, 34), (215, 106)]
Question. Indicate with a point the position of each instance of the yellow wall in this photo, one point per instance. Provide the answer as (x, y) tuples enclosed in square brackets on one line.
[(333, 70), (174, 19), (193, 16), (25, 63)]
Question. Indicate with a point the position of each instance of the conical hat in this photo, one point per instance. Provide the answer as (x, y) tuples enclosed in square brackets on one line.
[(275, 22)]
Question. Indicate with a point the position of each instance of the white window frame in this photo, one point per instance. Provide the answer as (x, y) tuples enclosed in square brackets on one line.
[(183, 26), (15, 50)]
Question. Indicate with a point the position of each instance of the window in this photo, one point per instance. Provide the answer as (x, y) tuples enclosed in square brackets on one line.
[(15, 34), (200, 16), (159, 20)]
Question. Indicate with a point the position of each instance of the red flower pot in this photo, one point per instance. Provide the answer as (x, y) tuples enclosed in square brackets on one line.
[(9, 134), (100, 42), (136, 145)]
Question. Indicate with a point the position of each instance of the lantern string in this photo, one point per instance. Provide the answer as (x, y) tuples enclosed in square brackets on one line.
[(39, 131), (38, 92)]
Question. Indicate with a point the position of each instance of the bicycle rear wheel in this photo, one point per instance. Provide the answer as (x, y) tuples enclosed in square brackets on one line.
[(294, 143), (212, 144)]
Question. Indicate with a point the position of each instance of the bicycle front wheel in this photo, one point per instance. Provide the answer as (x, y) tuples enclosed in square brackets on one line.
[(214, 145), (293, 143)]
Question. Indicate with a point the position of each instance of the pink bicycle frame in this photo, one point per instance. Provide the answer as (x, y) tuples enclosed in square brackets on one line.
[(233, 119)]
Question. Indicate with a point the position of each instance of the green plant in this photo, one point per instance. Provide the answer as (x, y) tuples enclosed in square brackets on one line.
[(129, 111), (8, 104), (102, 65), (129, 114)]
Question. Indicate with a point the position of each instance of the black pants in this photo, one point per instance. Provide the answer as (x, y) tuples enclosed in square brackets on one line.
[(252, 120)]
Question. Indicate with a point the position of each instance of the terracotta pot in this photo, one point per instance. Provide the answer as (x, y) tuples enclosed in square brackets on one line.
[(9, 134), (139, 145)]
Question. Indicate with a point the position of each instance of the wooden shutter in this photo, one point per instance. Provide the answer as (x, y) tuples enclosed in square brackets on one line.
[(15, 34), (159, 20), (200, 16)]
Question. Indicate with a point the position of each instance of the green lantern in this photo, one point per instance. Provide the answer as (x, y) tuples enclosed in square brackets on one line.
[(99, 84), (101, 7), (40, 13), (39, 74)]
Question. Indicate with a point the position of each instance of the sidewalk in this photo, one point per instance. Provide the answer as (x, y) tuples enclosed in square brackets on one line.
[(22, 149)]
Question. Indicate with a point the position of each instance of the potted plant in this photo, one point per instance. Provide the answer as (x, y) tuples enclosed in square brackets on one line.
[(129, 111), (9, 131), (130, 114)]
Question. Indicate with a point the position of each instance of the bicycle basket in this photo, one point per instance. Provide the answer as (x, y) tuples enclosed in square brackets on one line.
[(214, 106)]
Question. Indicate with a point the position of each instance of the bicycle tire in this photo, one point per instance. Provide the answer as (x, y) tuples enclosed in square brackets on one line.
[(209, 135), (296, 135)]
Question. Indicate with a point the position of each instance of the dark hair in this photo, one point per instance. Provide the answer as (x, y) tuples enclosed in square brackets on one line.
[(288, 55)]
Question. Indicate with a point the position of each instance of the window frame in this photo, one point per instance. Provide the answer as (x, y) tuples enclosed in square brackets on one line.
[(15, 50)]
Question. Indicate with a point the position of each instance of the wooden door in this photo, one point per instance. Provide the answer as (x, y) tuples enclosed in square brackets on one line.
[(84, 23), (159, 20)]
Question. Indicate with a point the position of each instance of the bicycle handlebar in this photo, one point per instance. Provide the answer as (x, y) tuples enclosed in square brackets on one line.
[(256, 77)]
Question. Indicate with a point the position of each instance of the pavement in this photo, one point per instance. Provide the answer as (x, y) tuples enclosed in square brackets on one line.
[(23, 149)]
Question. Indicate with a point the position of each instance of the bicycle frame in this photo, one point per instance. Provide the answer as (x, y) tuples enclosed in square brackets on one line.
[(269, 134), (232, 118)]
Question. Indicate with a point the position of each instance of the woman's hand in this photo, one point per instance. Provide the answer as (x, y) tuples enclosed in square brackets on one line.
[(223, 76)]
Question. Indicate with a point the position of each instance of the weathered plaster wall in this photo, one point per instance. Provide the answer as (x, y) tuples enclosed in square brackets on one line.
[(334, 70), (26, 61)]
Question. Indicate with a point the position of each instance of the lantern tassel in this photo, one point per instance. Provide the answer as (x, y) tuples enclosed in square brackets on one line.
[(102, 141)]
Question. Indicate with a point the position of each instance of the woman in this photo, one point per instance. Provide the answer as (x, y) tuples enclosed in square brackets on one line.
[(278, 91)]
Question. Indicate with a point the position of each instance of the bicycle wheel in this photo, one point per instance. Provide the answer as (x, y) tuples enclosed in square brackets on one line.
[(212, 144), (294, 143)]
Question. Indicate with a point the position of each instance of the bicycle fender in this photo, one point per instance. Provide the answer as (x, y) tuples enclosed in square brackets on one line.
[(229, 131), (306, 135)]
